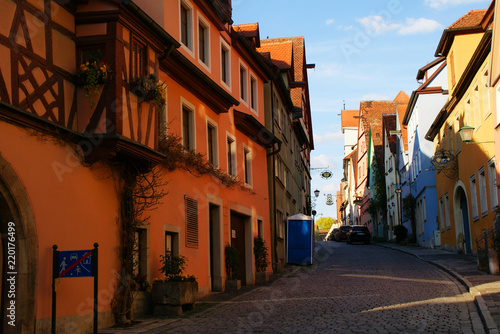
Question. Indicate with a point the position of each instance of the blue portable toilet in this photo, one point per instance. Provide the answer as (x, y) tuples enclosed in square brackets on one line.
[(300, 240)]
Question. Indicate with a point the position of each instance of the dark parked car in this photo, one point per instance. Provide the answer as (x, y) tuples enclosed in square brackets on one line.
[(359, 233), (342, 233)]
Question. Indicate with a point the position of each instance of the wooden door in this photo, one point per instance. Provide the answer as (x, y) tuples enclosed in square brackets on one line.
[(238, 241)]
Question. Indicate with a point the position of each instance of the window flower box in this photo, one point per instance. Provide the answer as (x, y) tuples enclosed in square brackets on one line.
[(92, 75), (148, 89)]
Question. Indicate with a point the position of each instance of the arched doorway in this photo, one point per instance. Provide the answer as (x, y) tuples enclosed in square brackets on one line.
[(18, 240), (462, 223)]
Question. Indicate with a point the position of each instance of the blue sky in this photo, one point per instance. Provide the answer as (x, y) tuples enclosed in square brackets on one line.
[(362, 49)]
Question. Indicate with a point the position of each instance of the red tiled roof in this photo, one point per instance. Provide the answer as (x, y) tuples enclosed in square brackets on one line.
[(471, 19), (298, 54), (371, 113), (247, 29), (402, 97), (348, 119), (281, 52)]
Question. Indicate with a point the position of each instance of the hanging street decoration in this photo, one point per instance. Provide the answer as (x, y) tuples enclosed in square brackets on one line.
[(329, 199), (326, 174)]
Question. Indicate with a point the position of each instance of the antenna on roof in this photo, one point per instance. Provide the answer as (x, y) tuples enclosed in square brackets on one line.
[(344, 104)]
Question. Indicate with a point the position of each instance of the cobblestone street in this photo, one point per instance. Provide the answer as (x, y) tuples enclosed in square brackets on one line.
[(351, 289)]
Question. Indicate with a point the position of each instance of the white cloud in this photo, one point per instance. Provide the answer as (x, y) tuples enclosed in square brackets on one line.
[(331, 137), (321, 161), (438, 4), (329, 22), (375, 24), (419, 26)]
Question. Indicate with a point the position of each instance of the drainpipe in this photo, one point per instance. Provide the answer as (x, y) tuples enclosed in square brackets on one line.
[(273, 155)]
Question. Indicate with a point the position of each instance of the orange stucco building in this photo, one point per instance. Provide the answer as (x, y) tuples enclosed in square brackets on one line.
[(76, 162)]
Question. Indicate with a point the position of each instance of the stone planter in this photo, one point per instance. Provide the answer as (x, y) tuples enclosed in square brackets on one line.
[(173, 298), (261, 277), (494, 263), (233, 285), (142, 305)]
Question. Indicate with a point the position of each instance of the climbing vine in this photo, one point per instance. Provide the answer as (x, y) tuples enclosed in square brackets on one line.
[(140, 192), (379, 199)]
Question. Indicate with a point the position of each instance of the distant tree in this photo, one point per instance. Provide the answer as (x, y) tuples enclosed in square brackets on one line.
[(379, 199), (324, 223)]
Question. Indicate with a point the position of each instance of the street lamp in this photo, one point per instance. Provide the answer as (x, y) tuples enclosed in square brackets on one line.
[(316, 193), (466, 135)]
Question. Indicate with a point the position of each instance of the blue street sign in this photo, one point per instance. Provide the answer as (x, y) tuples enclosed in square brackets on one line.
[(75, 263)]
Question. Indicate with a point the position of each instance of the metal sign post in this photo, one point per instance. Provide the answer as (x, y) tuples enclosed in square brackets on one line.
[(70, 264)]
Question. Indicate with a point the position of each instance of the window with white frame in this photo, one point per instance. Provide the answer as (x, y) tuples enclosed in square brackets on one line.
[(231, 155), (482, 191), (247, 165), (449, 138), (419, 161), (473, 199), (171, 243), (140, 253), (203, 42), (418, 218), (139, 59), (485, 95), (280, 225), (188, 129), (458, 140), (186, 24), (212, 151), (253, 93), (441, 214), (225, 59), (243, 83), (447, 211), (468, 112), (492, 185), (476, 105), (424, 210)]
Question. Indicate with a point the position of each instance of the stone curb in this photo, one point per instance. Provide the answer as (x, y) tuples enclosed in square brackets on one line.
[(488, 323)]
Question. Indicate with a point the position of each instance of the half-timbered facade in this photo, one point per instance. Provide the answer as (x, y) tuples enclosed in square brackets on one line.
[(90, 93)]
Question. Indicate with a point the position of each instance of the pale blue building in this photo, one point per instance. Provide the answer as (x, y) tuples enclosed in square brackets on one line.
[(425, 103)]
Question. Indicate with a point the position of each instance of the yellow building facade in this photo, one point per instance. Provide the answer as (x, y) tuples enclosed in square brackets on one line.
[(465, 171)]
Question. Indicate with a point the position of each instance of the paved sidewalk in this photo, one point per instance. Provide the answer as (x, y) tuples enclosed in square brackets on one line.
[(483, 288)]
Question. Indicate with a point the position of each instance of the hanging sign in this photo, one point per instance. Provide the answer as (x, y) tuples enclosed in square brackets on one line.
[(329, 199), (326, 174)]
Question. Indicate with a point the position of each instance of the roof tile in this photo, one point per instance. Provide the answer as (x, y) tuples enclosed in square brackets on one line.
[(349, 118), (472, 19)]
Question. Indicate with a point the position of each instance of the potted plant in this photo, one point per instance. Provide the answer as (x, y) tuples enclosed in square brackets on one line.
[(149, 88), (232, 260), (92, 75), (175, 292), (261, 254)]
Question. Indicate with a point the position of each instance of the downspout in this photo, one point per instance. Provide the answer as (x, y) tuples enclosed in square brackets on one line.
[(273, 154)]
